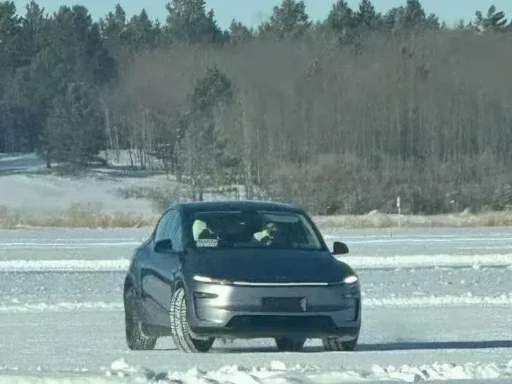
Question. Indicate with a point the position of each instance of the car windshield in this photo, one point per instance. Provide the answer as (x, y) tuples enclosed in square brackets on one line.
[(253, 229)]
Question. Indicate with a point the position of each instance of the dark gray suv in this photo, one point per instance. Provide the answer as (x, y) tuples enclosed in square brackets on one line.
[(240, 269)]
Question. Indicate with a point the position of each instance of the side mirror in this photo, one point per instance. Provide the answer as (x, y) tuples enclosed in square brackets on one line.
[(339, 248), (163, 246)]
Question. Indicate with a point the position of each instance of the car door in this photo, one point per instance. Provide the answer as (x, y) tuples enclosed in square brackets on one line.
[(159, 272)]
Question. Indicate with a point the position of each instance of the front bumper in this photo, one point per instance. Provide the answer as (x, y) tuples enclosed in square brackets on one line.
[(238, 312)]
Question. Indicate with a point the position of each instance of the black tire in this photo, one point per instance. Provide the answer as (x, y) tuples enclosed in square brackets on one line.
[(136, 339), (286, 344), (180, 329), (336, 344)]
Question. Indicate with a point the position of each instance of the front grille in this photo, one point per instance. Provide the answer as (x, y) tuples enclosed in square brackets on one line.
[(262, 322)]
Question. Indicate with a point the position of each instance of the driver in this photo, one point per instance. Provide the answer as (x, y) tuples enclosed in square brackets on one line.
[(267, 234)]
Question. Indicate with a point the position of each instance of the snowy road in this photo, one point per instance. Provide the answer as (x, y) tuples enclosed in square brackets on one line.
[(447, 298)]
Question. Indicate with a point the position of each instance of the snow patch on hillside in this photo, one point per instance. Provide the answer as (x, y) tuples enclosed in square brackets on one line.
[(26, 185)]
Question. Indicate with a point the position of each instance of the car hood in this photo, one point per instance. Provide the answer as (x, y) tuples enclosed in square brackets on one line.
[(270, 266)]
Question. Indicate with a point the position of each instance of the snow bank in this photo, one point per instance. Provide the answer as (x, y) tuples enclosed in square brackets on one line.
[(277, 372), (368, 302)]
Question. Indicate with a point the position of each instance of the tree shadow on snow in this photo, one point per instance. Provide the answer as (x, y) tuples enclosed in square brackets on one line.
[(418, 345)]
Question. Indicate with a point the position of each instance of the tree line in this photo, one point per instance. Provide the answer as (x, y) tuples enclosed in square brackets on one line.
[(340, 116)]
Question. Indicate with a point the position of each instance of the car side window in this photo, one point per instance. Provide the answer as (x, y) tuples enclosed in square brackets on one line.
[(163, 230), (176, 232)]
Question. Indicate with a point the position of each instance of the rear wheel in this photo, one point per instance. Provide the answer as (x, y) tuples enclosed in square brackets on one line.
[(136, 338), (337, 344), (287, 344), (180, 329)]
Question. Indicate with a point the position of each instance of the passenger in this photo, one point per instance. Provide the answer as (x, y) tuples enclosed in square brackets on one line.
[(201, 231)]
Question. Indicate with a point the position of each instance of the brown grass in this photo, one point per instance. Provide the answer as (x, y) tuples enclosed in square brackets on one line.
[(379, 220), (91, 216), (76, 216)]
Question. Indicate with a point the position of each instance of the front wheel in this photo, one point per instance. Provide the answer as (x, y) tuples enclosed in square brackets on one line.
[(180, 329), (134, 329)]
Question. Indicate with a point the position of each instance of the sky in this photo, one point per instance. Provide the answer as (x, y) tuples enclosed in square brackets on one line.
[(252, 12)]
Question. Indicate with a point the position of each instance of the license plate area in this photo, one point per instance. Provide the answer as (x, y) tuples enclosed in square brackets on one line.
[(284, 304)]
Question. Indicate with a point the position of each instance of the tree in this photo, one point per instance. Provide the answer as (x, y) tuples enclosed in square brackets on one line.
[(10, 38), (206, 143), (113, 30), (189, 22), (367, 105), (341, 18), (141, 33), (366, 17), (495, 21), (75, 131), (239, 33), (288, 20), (410, 18), (33, 32)]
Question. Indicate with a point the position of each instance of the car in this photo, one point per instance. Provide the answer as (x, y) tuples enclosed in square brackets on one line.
[(240, 270)]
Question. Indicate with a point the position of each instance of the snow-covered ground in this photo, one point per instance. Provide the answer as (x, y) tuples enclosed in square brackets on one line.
[(437, 303), (437, 306), (26, 185)]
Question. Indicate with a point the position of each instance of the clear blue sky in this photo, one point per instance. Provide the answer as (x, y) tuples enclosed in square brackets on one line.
[(252, 12)]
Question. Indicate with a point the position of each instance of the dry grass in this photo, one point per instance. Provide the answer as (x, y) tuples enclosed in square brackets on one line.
[(76, 216), (91, 216), (380, 220)]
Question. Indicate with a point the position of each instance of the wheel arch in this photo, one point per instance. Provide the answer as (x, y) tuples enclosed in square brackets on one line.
[(130, 282), (179, 282)]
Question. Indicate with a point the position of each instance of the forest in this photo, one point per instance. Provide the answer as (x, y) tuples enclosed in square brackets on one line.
[(340, 115)]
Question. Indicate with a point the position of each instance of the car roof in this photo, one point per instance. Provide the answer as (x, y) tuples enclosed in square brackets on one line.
[(226, 205)]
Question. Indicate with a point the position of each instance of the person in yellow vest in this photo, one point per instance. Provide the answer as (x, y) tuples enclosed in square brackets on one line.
[(267, 235), (200, 231)]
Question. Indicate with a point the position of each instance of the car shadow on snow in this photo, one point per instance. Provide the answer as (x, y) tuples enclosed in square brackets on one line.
[(262, 349), (426, 345)]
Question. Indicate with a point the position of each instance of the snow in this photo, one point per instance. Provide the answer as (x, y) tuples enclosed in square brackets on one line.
[(436, 302), (419, 261), (61, 315), (357, 262), (60, 307), (276, 372), (504, 300), (27, 186)]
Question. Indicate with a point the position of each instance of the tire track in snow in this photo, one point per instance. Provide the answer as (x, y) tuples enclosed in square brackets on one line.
[(357, 262), (386, 302)]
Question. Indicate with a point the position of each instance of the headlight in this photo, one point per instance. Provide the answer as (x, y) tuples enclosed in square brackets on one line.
[(209, 280), (350, 279)]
